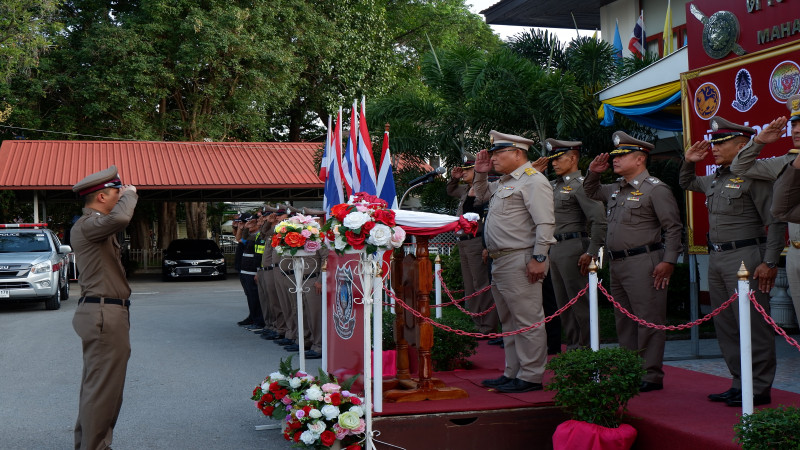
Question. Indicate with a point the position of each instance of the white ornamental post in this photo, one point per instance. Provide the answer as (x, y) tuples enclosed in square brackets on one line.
[(594, 321), (324, 275), (298, 267), (744, 340), (377, 333), (437, 266)]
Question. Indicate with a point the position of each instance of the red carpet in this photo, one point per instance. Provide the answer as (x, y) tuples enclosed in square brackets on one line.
[(680, 416)]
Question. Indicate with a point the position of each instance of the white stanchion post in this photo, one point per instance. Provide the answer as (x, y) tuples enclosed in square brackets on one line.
[(745, 341), (324, 274), (377, 334), (366, 273), (297, 266), (594, 320), (437, 266)]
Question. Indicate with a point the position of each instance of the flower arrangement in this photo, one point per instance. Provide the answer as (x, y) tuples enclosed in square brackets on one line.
[(298, 232), (317, 412), (364, 222)]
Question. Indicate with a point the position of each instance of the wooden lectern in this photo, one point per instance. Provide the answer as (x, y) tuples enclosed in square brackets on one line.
[(412, 281)]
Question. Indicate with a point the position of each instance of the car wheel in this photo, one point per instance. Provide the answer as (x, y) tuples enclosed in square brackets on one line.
[(53, 302), (65, 290)]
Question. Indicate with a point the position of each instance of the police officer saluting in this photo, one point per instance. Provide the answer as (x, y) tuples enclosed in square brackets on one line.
[(101, 317), (570, 257), (640, 207), (518, 232), (738, 211)]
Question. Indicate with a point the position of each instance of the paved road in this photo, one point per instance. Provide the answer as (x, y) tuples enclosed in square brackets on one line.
[(190, 376)]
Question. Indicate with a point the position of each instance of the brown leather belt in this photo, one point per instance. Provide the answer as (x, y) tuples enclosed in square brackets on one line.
[(501, 253), (106, 300)]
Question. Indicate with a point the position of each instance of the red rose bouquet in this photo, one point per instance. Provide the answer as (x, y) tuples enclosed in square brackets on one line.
[(364, 223)]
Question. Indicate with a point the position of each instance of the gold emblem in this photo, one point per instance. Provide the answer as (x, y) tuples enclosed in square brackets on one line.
[(637, 192), (530, 171), (796, 104), (737, 180)]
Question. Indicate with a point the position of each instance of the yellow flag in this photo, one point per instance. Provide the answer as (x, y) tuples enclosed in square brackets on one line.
[(668, 46)]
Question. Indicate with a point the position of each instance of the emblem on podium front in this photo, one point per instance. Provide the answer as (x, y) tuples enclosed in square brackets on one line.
[(344, 313)]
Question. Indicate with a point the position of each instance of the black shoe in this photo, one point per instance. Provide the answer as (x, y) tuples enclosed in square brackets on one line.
[(758, 400), (495, 341), (647, 386), (311, 354), (272, 337), (494, 382), (254, 328), (723, 397), (292, 348), (517, 385), (284, 341), (245, 322)]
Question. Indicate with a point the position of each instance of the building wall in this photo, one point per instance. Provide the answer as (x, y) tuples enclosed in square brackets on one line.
[(655, 13)]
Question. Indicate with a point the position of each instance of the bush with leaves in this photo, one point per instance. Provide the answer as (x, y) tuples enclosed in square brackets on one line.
[(595, 386), (450, 350), (770, 428)]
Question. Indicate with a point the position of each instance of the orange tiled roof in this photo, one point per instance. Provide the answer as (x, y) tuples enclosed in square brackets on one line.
[(58, 165)]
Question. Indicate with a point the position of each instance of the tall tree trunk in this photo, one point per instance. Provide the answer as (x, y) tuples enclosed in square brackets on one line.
[(196, 220), (140, 231), (295, 119), (167, 224)]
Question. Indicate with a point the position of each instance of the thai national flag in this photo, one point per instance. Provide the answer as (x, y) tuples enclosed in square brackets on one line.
[(366, 161), (350, 160), (332, 195), (638, 40), (386, 189), (326, 150)]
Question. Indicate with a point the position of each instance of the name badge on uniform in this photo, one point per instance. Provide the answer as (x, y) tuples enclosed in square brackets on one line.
[(507, 188), (633, 198), (732, 186)]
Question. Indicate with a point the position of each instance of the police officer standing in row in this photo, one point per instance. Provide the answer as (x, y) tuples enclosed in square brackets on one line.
[(639, 208), (570, 257), (474, 271), (519, 232), (738, 211), (250, 263), (102, 317)]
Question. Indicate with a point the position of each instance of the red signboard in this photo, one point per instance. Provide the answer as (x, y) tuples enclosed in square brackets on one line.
[(720, 30), (345, 319), (750, 90)]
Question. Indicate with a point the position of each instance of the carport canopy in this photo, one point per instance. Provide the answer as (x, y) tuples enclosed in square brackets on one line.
[(165, 171)]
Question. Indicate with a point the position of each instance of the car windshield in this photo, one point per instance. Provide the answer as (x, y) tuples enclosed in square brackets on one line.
[(192, 246), (16, 242)]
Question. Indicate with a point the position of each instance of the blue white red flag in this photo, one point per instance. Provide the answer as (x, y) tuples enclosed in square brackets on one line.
[(366, 161), (386, 188), (333, 192), (638, 40), (350, 160)]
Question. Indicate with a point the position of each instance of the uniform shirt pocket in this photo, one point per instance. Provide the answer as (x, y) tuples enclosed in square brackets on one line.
[(504, 196), (729, 200), (633, 212)]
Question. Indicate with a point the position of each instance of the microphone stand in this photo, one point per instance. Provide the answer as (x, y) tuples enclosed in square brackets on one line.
[(402, 199)]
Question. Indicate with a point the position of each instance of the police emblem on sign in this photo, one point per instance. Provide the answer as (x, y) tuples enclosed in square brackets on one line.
[(744, 92), (344, 314)]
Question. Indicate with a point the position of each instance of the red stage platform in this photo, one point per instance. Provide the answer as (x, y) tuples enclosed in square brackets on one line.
[(680, 416)]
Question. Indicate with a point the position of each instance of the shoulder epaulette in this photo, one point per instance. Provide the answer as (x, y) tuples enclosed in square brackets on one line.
[(530, 171)]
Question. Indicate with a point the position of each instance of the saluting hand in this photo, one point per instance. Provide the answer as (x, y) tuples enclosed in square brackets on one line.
[(600, 163), (765, 277), (698, 151), (541, 164), (457, 173), (483, 162), (772, 132), (661, 275)]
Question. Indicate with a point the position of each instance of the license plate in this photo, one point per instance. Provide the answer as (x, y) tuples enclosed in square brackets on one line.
[(5, 293), (195, 270)]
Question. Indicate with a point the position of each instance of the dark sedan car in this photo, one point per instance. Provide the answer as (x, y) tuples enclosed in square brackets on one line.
[(193, 258)]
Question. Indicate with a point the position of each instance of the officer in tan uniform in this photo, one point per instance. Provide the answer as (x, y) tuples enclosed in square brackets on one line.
[(264, 251), (270, 274), (518, 231), (639, 208), (312, 300), (474, 271), (288, 301), (779, 170), (576, 214), (738, 211), (101, 317)]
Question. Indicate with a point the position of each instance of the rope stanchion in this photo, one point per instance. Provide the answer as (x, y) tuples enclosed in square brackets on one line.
[(417, 314), (684, 326)]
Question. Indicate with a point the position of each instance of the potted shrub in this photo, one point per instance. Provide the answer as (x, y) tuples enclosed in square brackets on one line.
[(594, 388), (770, 428)]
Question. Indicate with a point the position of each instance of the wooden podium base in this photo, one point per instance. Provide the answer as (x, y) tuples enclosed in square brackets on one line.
[(395, 391)]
